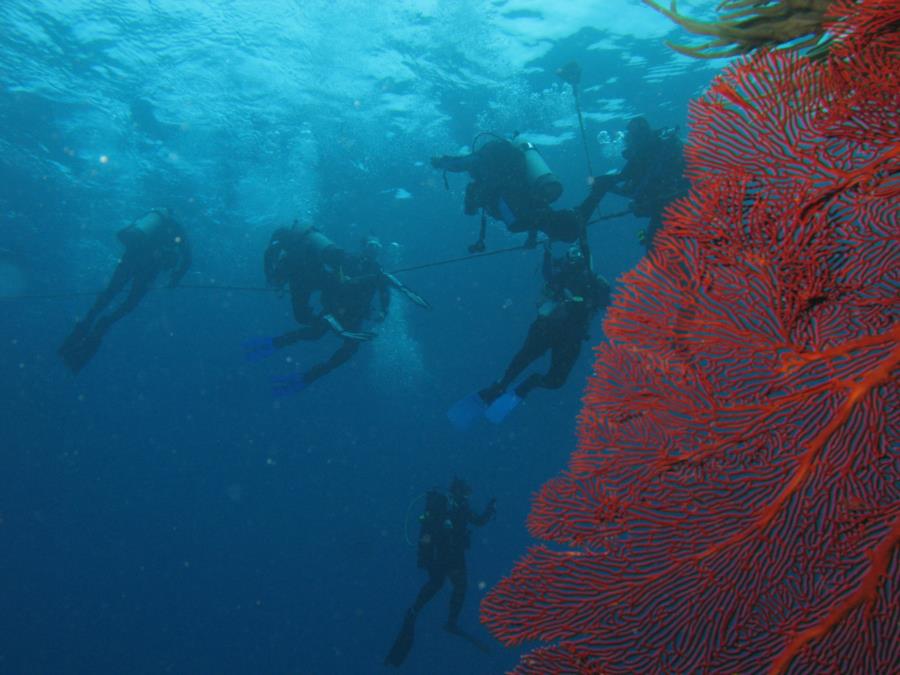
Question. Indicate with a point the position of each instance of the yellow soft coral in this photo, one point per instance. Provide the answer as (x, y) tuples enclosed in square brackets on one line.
[(745, 25)]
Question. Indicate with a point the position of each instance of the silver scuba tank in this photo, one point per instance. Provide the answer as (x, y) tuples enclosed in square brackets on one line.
[(148, 228), (546, 187), (318, 247)]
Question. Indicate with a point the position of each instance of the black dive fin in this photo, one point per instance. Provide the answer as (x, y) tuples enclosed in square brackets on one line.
[(78, 334), (404, 642), (471, 639), (77, 355)]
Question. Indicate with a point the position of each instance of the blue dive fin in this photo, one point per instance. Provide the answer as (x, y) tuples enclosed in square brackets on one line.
[(500, 408), (463, 413)]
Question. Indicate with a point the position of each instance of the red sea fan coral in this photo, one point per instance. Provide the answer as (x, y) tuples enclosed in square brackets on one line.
[(734, 502)]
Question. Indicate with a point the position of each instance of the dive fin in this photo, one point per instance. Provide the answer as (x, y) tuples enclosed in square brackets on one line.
[(463, 413), (76, 355), (404, 642), (468, 637), (499, 409), (78, 334)]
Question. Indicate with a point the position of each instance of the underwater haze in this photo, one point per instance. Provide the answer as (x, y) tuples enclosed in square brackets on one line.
[(161, 512)]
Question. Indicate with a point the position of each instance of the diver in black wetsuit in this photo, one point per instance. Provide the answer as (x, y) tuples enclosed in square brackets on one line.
[(307, 262), (653, 175), (572, 296), (154, 243), (512, 183), (303, 259), (443, 541)]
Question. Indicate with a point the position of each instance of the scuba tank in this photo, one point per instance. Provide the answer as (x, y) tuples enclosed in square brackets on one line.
[(542, 181), (293, 250), (148, 228)]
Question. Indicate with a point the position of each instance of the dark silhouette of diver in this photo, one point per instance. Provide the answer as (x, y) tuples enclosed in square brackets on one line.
[(443, 540), (653, 175), (347, 284), (303, 259), (512, 183), (153, 243), (571, 297)]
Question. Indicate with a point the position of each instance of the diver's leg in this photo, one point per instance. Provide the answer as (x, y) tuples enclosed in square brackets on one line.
[(123, 273), (535, 346), (313, 332), (300, 304), (586, 209), (340, 357), (428, 591), (459, 579), (82, 330), (563, 356), (652, 228), (565, 225), (140, 284)]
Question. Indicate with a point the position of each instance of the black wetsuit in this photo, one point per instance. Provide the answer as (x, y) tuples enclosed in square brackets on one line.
[(573, 295), (304, 259), (653, 175), (346, 295), (446, 556), (500, 187), (153, 244)]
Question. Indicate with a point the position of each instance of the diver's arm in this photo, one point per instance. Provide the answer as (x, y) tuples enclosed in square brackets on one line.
[(454, 163), (486, 516), (356, 335), (410, 295)]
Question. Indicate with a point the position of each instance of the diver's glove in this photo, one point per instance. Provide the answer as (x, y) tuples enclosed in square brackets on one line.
[(288, 385), (439, 162), (604, 183), (358, 335), (258, 348)]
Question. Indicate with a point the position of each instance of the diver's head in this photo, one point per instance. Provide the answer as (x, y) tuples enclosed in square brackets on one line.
[(638, 130), (371, 247), (459, 489), (574, 255), (275, 260)]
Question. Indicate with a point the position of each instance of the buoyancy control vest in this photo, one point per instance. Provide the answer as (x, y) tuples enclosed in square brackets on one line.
[(299, 252)]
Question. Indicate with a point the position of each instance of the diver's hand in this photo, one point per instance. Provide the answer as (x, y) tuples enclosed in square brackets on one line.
[(259, 348), (491, 509), (357, 335), (604, 183), (439, 162)]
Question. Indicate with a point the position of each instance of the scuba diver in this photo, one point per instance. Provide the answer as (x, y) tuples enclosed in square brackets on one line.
[(571, 297), (512, 183), (153, 243), (307, 261), (653, 175), (443, 540)]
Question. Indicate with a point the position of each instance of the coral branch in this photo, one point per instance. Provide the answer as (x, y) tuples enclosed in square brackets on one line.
[(747, 26), (734, 499)]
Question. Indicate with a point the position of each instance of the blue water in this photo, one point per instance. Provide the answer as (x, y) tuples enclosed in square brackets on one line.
[(161, 512)]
